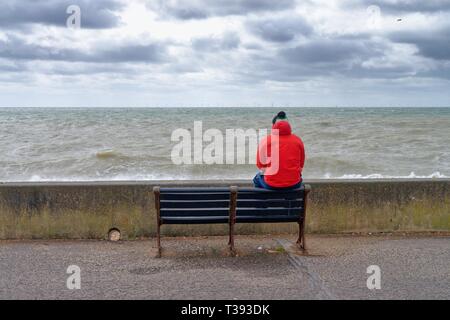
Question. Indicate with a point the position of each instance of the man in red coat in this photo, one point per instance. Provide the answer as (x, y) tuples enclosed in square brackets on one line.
[(280, 158)]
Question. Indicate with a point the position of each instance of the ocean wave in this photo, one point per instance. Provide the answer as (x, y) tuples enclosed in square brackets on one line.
[(168, 177), (107, 154), (412, 175)]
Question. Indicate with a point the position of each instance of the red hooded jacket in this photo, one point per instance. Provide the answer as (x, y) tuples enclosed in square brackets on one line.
[(291, 157)]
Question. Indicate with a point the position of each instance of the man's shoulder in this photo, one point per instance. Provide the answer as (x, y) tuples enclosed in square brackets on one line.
[(297, 138)]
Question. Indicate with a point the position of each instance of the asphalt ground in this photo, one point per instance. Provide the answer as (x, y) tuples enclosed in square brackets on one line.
[(266, 267)]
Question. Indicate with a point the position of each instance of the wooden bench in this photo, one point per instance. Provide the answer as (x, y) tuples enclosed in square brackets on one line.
[(230, 206)]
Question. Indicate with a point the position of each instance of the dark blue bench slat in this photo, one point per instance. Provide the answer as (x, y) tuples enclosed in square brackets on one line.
[(251, 203), (224, 194), (194, 220), (271, 219), (207, 212), (269, 212), (195, 204), (195, 196), (261, 190), (242, 203), (197, 212), (270, 195), (194, 190), (241, 190)]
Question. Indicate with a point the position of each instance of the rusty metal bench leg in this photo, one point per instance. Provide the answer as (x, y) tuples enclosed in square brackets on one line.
[(301, 242), (300, 235), (230, 234), (158, 242), (231, 242), (232, 219), (303, 236), (157, 194)]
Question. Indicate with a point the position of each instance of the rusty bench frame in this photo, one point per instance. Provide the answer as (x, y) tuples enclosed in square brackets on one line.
[(301, 243)]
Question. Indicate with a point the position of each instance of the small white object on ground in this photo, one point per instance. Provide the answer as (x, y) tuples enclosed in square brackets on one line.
[(114, 235)]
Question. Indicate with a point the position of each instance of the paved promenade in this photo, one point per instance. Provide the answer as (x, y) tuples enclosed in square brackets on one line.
[(199, 268)]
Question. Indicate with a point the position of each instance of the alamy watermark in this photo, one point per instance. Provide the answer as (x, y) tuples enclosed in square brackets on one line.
[(74, 280), (374, 280), (374, 20), (232, 147), (74, 19)]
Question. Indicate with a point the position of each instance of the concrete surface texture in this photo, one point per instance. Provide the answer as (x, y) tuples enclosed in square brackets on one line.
[(90, 210), (266, 267)]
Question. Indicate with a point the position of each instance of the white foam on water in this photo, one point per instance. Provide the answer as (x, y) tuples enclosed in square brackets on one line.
[(412, 175), (36, 178), (151, 177)]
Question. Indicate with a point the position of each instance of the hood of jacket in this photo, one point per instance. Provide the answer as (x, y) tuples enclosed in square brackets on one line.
[(283, 127)]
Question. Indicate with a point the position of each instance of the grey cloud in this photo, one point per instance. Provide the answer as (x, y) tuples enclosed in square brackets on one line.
[(280, 29), (402, 6), (185, 13), (201, 9), (331, 51), (89, 69), (94, 14), (379, 72), (150, 53), (253, 46), (16, 48), (228, 41), (433, 42), (442, 72), (11, 68), (63, 68), (318, 58), (434, 45), (15, 77)]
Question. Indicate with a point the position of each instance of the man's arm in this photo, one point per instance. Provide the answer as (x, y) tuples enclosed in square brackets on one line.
[(261, 156), (302, 155)]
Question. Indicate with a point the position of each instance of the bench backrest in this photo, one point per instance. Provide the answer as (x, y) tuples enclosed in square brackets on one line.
[(194, 205), (260, 205), (212, 205)]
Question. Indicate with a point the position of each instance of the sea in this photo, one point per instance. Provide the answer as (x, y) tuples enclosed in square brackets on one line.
[(118, 144)]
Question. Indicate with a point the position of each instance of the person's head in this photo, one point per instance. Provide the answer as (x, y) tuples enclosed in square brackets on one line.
[(281, 124), (281, 116)]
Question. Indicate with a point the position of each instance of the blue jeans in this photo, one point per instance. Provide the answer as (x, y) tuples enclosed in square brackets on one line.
[(259, 182)]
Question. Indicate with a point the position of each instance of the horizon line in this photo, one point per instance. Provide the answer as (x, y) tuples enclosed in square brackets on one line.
[(213, 107)]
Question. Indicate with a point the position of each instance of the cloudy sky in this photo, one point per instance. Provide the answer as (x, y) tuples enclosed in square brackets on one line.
[(135, 53)]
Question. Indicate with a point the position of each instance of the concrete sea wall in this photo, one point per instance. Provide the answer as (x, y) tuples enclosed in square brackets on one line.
[(89, 210)]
